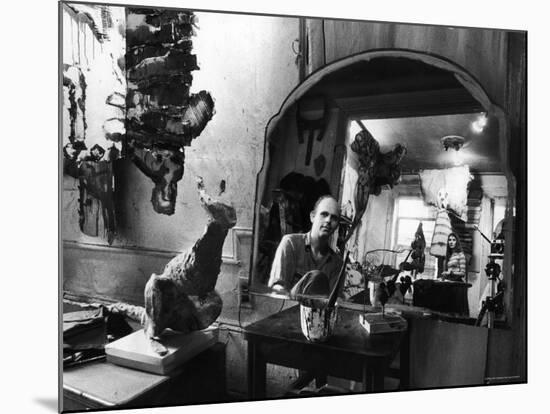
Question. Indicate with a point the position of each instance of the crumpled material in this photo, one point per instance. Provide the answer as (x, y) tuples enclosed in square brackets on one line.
[(86, 329), (455, 183)]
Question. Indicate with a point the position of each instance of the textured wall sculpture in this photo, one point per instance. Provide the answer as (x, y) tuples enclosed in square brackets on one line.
[(375, 169), (162, 116)]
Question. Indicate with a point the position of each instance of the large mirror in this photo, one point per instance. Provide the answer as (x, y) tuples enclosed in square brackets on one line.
[(436, 149)]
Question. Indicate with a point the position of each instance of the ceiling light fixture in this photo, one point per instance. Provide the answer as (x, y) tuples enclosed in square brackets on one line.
[(452, 141), (479, 124)]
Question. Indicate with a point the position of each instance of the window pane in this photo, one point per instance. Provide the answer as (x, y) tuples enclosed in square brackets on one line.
[(410, 212), (499, 213), (406, 228), (414, 207), (430, 263)]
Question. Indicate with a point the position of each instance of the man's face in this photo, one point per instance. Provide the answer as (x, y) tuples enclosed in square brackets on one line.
[(324, 220)]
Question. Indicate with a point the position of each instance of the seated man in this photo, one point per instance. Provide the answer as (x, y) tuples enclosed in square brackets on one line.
[(301, 253)]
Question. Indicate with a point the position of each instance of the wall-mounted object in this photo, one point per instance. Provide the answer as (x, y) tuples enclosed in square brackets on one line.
[(93, 111), (162, 116), (319, 164), (311, 118)]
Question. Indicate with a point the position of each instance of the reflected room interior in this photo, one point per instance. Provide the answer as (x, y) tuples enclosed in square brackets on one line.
[(453, 144)]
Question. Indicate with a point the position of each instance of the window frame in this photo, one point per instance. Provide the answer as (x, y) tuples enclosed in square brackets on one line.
[(429, 217)]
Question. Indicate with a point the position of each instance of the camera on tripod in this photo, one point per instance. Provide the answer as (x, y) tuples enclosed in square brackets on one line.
[(497, 248), (494, 301)]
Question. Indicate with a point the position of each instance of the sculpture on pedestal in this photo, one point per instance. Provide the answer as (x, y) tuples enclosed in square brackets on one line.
[(183, 298)]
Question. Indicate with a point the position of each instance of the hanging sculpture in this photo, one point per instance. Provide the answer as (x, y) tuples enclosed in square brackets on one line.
[(126, 81), (374, 169), (446, 189), (311, 116), (162, 117)]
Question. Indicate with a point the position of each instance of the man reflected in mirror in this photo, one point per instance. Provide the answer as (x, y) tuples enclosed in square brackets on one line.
[(301, 254)]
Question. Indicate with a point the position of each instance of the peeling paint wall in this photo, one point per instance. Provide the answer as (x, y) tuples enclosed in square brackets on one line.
[(91, 62), (247, 63)]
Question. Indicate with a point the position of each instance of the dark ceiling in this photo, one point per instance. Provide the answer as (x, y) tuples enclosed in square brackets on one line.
[(410, 102), (422, 137), (382, 76)]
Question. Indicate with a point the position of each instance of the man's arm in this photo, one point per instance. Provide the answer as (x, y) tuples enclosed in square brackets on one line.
[(284, 265)]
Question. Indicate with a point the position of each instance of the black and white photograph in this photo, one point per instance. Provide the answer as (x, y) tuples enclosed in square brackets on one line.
[(273, 207), (286, 208)]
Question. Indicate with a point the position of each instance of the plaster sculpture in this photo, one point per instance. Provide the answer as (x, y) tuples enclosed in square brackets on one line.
[(183, 298)]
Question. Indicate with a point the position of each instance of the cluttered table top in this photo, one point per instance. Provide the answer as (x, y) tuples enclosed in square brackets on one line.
[(348, 334), (361, 303)]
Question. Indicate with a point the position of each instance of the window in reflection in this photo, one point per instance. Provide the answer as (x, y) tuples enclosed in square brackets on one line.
[(409, 212)]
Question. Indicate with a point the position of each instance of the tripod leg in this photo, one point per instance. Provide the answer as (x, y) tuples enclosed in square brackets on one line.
[(481, 314)]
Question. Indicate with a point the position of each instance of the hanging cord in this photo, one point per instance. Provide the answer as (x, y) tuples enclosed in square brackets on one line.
[(475, 225), (324, 42)]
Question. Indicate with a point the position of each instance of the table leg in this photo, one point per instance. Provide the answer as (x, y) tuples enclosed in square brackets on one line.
[(373, 378), (256, 373), (320, 380), (368, 379), (404, 360), (378, 380), (304, 378)]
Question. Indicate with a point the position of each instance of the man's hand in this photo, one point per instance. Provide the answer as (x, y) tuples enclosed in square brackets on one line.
[(280, 289)]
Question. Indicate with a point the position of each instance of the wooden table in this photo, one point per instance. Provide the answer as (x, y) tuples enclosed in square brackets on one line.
[(100, 385), (443, 296), (350, 352)]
